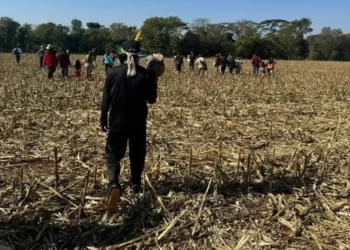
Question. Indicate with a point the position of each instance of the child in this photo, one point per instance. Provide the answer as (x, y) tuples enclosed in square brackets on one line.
[(271, 67), (217, 62), (90, 64), (77, 68), (108, 61)]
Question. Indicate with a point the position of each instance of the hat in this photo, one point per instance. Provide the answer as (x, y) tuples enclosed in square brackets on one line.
[(131, 48), (49, 46)]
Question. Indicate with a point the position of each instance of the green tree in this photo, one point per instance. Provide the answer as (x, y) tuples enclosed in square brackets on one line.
[(76, 36), (121, 31), (292, 38), (8, 33), (45, 33), (213, 38), (159, 33), (190, 42), (25, 37), (96, 36), (325, 45), (93, 25)]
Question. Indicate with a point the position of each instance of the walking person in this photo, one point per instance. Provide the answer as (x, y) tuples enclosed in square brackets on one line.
[(77, 70), (192, 59), (17, 52), (128, 89), (50, 61), (178, 62), (108, 61), (217, 62), (202, 65), (239, 64), (113, 55), (271, 67), (64, 62), (256, 60), (231, 63), (223, 64), (41, 53), (89, 63)]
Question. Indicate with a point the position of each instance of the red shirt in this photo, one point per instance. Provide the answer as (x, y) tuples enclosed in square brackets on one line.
[(50, 60), (217, 60), (256, 61)]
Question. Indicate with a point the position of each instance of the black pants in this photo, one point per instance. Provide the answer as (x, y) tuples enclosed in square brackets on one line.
[(50, 72), (107, 66), (223, 69), (64, 72), (41, 59), (178, 67), (116, 148), (191, 66), (18, 59)]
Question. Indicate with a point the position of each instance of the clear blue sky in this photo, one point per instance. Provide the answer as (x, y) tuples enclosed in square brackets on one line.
[(133, 12)]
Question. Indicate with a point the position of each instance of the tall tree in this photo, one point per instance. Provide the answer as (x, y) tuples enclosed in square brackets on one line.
[(121, 31), (25, 37), (243, 29), (292, 38), (93, 25), (76, 26), (8, 33), (75, 39), (190, 42), (163, 34)]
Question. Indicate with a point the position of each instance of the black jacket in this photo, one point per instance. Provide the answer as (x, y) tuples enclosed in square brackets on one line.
[(126, 98)]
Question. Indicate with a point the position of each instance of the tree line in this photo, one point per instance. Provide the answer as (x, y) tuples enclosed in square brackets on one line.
[(275, 38)]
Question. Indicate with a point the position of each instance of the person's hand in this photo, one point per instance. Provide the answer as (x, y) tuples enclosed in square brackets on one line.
[(104, 128)]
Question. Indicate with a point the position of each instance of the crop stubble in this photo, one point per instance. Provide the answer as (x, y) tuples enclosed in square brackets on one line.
[(233, 162)]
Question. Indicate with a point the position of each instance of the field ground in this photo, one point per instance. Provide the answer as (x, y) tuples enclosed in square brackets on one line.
[(234, 162)]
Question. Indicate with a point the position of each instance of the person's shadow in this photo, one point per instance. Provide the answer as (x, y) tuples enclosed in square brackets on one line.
[(41, 233)]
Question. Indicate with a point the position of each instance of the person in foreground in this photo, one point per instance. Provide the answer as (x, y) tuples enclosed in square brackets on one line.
[(128, 89)]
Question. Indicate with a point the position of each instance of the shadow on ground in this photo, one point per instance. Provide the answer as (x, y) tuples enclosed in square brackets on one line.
[(39, 233)]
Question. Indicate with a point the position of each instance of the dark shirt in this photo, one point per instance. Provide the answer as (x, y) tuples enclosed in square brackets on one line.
[(192, 59), (126, 98), (179, 60), (223, 62), (41, 52)]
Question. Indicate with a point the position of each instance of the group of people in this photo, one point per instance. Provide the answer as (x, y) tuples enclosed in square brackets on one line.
[(193, 62), (260, 66), (127, 91), (221, 63), (50, 59)]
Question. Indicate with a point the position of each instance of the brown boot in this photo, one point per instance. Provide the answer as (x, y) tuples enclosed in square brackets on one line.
[(114, 194)]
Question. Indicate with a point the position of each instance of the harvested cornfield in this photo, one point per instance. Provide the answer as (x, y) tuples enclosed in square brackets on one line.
[(233, 162)]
